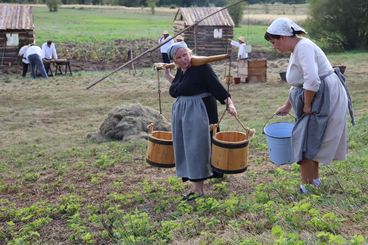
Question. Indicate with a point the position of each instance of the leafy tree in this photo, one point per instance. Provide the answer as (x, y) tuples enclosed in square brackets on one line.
[(236, 11), (152, 5), (339, 23), (129, 3), (187, 3), (53, 5), (218, 3)]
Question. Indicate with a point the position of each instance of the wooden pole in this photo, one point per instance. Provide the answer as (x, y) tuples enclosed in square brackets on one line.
[(158, 46)]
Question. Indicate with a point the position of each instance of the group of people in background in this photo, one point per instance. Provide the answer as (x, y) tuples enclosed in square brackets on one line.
[(167, 41), (37, 58), (318, 96), (243, 49)]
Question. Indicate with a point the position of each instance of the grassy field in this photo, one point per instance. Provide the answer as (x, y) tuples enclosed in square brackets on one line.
[(56, 187), (80, 25)]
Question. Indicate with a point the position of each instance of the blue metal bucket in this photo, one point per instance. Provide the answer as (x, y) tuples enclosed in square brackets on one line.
[(278, 138)]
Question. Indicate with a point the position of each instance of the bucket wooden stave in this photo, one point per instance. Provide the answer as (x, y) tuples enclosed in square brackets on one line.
[(230, 152), (257, 70), (160, 152)]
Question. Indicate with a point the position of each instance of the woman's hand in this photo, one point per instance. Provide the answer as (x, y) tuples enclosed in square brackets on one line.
[(167, 74), (307, 109), (283, 110), (308, 99), (230, 107)]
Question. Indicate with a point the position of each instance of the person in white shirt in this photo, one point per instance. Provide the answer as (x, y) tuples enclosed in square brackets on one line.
[(25, 62), (180, 39), (34, 56), (48, 53), (242, 58), (164, 48)]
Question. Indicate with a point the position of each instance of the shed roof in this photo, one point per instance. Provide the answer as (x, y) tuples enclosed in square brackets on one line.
[(191, 15), (16, 17)]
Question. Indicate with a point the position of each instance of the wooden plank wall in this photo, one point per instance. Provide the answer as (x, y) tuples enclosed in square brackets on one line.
[(9, 55), (206, 43)]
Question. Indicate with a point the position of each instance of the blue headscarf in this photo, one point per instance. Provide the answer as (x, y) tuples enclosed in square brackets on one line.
[(174, 48)]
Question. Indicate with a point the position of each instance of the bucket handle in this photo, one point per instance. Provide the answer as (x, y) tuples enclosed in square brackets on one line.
[(150, 128), (250, 132), (269, 119)]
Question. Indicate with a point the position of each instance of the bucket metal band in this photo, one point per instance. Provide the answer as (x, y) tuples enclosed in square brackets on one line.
[(230, 146), (160, 142), (236, 171), (161, 165)]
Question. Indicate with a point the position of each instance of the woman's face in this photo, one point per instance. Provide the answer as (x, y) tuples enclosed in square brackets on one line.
[(280, 44), (182, 58)]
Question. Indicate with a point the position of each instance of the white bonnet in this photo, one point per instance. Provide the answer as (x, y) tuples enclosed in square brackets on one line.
[(284, 27)]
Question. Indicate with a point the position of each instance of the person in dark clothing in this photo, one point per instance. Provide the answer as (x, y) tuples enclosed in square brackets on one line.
[(196, 89)]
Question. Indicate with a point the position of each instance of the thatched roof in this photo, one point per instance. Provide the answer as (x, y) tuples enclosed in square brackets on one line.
[(191, 15), (16, 17)]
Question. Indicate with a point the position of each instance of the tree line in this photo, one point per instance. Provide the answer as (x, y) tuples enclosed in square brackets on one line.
[(159, 3), (336, 24)]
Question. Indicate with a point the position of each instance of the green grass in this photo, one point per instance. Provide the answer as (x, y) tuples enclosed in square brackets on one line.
[(254, 35), (97, 25), (56, 186), (90, 25)]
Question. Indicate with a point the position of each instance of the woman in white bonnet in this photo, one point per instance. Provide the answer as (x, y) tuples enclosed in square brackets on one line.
[(196, 89), (319, 98)]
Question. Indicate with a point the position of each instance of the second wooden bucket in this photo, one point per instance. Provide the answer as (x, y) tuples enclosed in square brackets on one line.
[(230, 152), (160, 152), (257, 70)]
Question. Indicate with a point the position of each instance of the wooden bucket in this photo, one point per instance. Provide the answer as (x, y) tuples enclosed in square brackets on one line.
[(257, 70), (229, 151), (236, 80), (160, 152)]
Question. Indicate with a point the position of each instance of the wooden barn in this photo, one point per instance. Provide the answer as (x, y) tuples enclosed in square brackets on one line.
[(209, 37), (16, 30)]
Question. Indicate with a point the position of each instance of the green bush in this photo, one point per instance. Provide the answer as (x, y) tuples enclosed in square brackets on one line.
[(236, 11), (339, 23), (53, 5)]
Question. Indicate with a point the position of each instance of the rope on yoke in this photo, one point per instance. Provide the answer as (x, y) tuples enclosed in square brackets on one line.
[(250, 132), (159, 90)]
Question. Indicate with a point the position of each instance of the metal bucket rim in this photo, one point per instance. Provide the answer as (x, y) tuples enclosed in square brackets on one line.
[(286, 137)]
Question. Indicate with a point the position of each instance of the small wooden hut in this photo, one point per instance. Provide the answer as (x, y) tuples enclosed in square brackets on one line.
[(209, 37), (16, 30)]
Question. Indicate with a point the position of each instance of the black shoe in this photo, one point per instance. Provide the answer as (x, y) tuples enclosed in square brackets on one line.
[(187, 196), (216, 175), (191, 196)]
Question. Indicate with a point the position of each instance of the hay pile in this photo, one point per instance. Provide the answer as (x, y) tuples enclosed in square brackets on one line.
[(129, 122)]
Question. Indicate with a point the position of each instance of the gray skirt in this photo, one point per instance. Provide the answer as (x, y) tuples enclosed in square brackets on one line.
[(191, 137)]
